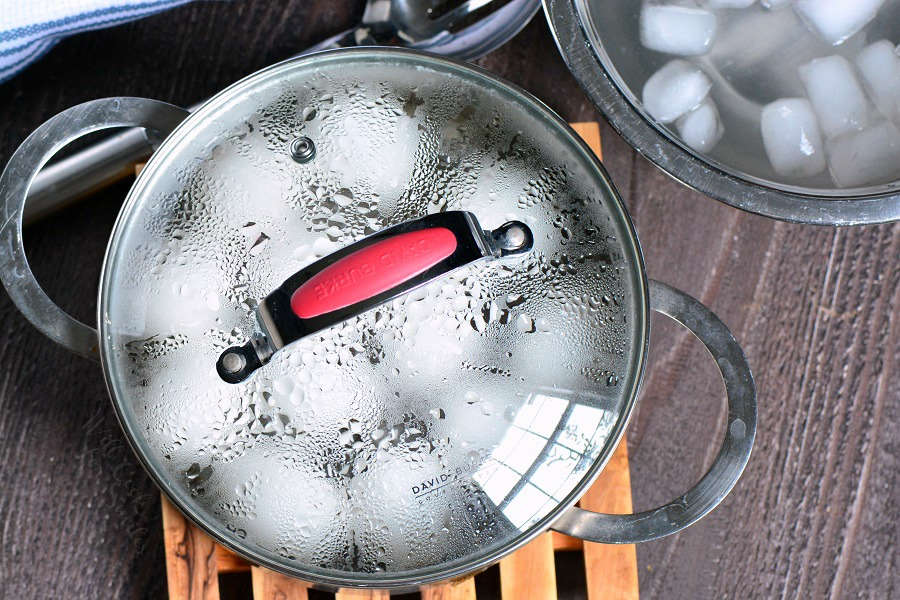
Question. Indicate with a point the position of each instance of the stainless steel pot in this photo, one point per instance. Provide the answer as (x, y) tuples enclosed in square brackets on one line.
[(599, 41), (323, 357)]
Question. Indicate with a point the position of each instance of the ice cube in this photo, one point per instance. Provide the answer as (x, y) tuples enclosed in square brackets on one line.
[(773, 4), (791, 137), (866, 157), (836, 95), (680, 30), (879, 64), (701, 129), (728, 3), (837, 20), (675, 89)]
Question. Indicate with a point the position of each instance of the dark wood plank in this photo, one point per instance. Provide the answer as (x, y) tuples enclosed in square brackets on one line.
[(814, 309), (817, 513), (79, 517)]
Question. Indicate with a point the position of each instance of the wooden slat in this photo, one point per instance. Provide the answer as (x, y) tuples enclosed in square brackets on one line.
[(565, 543), (590, 133), (611, 569), (544, 576), (229, 562), (530, 571), (269, 585), (460, 589), (347, 594), (190, 558)]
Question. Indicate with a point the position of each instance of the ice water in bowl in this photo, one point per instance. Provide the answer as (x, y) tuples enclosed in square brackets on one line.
[(801, 93)]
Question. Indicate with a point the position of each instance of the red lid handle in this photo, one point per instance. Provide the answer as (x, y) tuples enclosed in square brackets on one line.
[(366, 273), (372, 270)]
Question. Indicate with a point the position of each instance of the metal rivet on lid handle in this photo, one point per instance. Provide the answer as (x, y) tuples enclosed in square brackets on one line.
[(303, 149), (512, 237), (233, 362)]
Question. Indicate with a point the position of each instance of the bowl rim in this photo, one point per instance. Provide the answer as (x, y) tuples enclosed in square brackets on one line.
[(407, 580), (580, 51)]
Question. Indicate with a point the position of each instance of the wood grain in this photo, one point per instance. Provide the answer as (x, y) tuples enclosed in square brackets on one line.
[(229, 562), (611, 570), (590, 133), (817, 513), (190, 558), (269, 585), (346, 594), (529, 572), (565, 543), (461, 589)]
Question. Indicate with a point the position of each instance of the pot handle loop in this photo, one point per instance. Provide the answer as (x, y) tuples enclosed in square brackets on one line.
[(732, 458), (159, 118)]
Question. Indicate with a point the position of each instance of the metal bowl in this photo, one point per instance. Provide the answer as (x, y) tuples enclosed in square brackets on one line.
[(598, 40)]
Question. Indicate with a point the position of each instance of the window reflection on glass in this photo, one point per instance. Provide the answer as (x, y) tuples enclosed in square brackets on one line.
[(546, 452)]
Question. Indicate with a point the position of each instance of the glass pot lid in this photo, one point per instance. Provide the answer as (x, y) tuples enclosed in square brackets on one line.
[(427, 435)]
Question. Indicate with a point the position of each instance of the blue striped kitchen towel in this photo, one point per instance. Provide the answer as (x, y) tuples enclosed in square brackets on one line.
[(29, 28)]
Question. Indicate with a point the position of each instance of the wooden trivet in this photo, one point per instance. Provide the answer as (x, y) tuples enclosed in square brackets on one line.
[(194, 561)]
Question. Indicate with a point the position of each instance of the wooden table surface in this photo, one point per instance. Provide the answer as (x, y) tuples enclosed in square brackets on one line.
[(817, 513)]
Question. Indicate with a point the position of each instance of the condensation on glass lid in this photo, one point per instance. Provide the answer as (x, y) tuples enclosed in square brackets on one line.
[(802, 92), (440, 425)]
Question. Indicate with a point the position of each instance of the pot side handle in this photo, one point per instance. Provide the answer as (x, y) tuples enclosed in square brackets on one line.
[(158, 118), (729, 463)]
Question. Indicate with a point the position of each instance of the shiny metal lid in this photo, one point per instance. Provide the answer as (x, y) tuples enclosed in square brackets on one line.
[(428, 435)]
